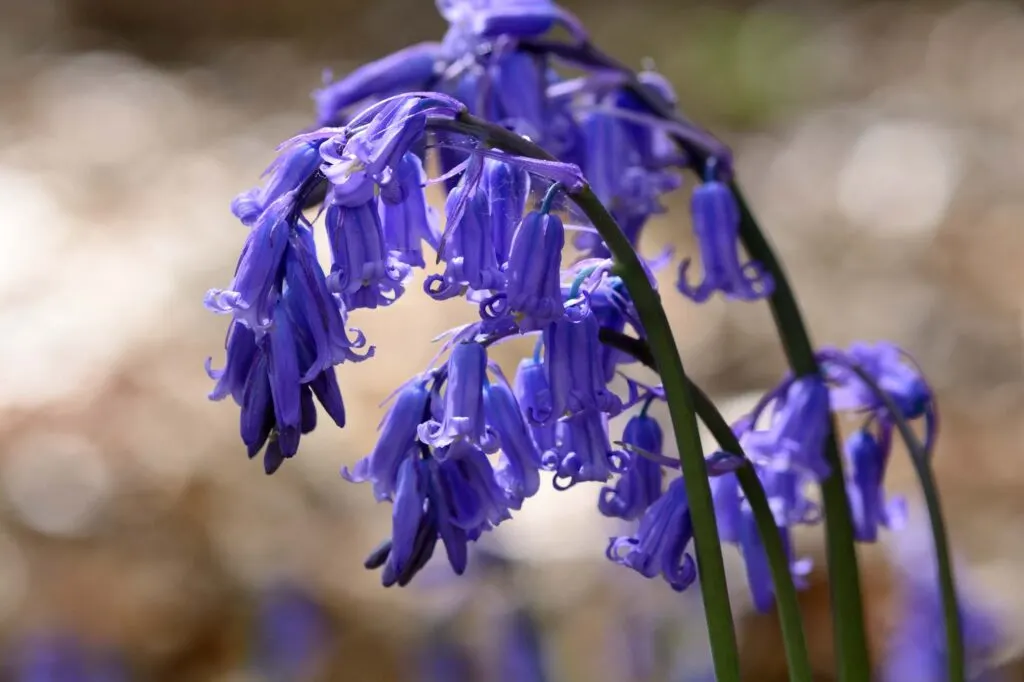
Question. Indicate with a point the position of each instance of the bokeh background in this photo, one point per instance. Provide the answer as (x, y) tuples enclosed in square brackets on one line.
[(881, 143)]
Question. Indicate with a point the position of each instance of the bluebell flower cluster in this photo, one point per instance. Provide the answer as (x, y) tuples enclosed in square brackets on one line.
[(461, 447)]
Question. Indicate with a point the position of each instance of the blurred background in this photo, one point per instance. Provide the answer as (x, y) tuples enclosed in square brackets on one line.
[(881, 143)]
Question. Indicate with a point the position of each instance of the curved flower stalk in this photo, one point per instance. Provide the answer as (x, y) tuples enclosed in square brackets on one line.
[(461, 448)]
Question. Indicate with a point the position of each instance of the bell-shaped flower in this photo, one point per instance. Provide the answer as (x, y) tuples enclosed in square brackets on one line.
[(869, 507), (534, 396), (576, 377), (520, 460), (640, 485), (462, 417), (795, 438), (534, 270), (507, 187), (406, 218), (584, 451), (362, 272)]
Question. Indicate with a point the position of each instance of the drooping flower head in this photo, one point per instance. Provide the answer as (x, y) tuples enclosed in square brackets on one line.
[(640, 485)]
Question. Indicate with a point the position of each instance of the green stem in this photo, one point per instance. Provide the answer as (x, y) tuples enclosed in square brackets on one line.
[(944, 566), (793, 638), (849, 631), (708, 549)]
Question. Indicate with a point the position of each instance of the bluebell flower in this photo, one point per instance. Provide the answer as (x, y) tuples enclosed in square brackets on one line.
[(397, 442), (420, 516), (257, 280), (519, 82), (520, 461), (611, 305), (584, 452), (755, 559), (534, 269), (286, 174), (406, 218), (522, 652), (476, 501), (800, 423), (442, 659), (463, 415), (870, 510), (725, 494), (609, 151), (716, 222), (891, 369), (534, 396), (410, 69), (508, 188), (659, 546), (640, 484), (469, 254), (293, 633), (485, 19), (362, 271), (786, 488), (576, 377)]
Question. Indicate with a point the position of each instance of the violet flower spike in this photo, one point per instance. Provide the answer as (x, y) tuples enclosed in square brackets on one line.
[(397, 442), (659, 546), (520, 461), (640, 485), (463, 414), (407, 220), (716, 222), (362, 272)]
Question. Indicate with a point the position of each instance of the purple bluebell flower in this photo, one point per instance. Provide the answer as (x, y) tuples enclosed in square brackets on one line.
[(507, 187), (534, 396), (519, 463), (362, 272), (522, 651), (867, 458), (659, 546), (286, 174), (534, 269), (716, 222), (519, 81), (420, 516), (725, 493), (613, 309), (786, 488), (257, 280), (476, 501), (463, 415), (755, 559), (584, 452), (609, 151), (292, 634), (800, 423), (576, 377), (640, 484), (442, 659), (469, 255), (410, 69), (891, 369), (396, 443), (487, 19), (406, 218)]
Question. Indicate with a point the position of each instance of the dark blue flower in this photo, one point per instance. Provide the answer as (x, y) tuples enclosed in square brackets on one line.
[(584, 452), (725, 493), (362, 272), (659, 546), (406, 217), (716, 222), (518, 467), (286, 174), (469, 255), (507, 187), (258, 275), (522, 651), (640, 484), (534, 396), (534, 269), (576, 377), (494, 18), (755, 559), (476, 501), (519, 82), (800, 423), (463, 415), (867, 458), (891, 369), (609, 150), (292, 634), (410, 69), (396, 443)]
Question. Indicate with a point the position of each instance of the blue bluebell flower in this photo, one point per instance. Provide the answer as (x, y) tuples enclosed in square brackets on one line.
[(640, 484), (257, 280), (407, 220), (609, 150), (659, 546), (576, 376), (463, 415), (522, 652), (293, 632), (410, 69), (520, 460), (477, 503), (869, 507), (725, 494), (584, 451), (443, 659), (519, 81), (755, 559), (534, 396), (716, 222), (289, 171), (534, 270), (488, 19), (800, 423), (397, 442), (362, 271), (508, 188), (470, 258), (613, 308)]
